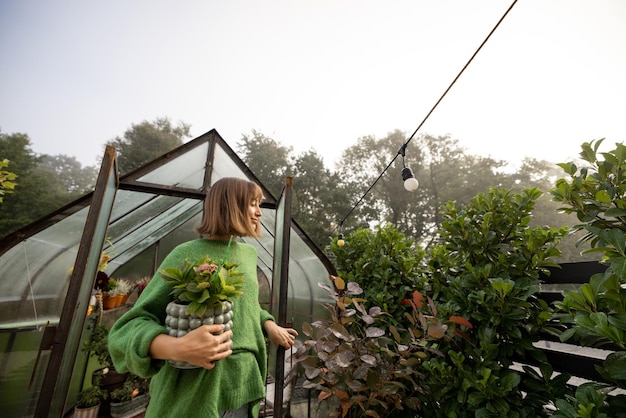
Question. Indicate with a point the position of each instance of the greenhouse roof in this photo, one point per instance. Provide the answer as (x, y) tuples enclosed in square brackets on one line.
[(152, 202)]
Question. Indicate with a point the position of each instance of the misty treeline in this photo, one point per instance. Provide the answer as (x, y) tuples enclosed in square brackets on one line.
[(364, 189)]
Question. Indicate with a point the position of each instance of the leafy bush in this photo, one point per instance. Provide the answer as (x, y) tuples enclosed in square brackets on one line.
[(485, 267), (361, 366), (596, 312), (385, 263)]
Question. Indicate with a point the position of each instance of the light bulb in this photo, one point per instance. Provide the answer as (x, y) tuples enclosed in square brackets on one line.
[(410, 182)]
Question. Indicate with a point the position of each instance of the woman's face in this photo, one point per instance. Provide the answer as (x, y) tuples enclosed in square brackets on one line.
[(254, 213)]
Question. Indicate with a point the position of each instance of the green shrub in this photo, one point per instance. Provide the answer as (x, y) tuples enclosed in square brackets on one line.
[(385, 263), (485, 267), (596, 312)]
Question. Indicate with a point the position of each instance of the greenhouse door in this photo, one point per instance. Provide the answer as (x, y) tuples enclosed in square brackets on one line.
[(63, 341), (280, 282)]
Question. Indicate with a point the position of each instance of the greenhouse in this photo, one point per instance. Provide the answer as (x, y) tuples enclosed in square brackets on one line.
[(49, 267)]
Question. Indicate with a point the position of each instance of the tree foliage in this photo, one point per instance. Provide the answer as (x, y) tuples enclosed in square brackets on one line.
[(444, 171), (45, 184), (7, 183), (366, 187), (270, 161), (364, 190), (32, 198), (143, 142), (318, 195), (596, 312), (67, 175)]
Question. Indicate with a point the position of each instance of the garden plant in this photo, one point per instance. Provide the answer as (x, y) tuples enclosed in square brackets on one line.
[(596, 312), (483, 271)]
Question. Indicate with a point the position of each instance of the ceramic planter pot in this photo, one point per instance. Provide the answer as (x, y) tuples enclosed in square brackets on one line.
[(121, 409), (91, 412), (179, 323)]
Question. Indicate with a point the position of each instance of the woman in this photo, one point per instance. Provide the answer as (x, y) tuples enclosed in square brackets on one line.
[(230, 381)]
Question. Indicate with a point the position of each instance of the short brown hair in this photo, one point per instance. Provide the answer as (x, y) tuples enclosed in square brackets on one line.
[(226, 208)]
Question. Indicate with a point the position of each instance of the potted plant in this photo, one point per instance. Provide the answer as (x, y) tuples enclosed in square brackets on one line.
[(132, 396), (98, 347), (124, 288), (89, 401), (202, 293)]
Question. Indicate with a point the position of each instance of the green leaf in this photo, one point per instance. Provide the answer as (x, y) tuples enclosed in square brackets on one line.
[(603, 196), (615, 365), (502, 286)]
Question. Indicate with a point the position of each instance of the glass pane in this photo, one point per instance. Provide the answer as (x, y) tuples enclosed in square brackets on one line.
[(139, 229), (186, 170), (36, 273), (224, 166), (17, 360)]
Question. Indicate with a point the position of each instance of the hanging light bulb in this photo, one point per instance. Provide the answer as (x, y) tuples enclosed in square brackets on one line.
[(340, 241), (410, 182)]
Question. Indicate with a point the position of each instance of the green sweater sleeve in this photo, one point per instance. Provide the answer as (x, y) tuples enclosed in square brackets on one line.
[(132, 334)]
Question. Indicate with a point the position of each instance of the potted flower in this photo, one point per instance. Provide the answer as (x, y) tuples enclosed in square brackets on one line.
[(107, 286), (132, 396), (202, 293)]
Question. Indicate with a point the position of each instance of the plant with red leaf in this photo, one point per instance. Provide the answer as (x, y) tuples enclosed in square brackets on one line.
[(362, 366)]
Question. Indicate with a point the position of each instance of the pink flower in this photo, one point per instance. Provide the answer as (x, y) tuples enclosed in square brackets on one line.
[(206, 268)]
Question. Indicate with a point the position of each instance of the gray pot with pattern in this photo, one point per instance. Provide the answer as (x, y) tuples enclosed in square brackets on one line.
[(179, 323)]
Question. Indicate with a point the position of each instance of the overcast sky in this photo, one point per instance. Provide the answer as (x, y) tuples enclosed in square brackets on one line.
[(316, 73)]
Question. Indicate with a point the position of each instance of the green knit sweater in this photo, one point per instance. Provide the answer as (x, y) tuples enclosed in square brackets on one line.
[(235, 381)]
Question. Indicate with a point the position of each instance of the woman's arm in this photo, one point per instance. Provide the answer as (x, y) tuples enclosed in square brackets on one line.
[(278, 335)]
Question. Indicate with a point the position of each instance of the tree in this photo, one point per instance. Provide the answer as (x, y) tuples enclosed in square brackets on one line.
[(319, 197), (367, 189), (451, 174), (145, 141), (444, 171), (542, 175), (32, 198), (6, 179), (361, 166), (269, 160), (67, 175), (46, 182)]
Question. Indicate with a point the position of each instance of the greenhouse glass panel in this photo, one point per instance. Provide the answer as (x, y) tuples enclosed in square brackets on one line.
[(35, 273), (224, 166), (186, 170), (129, 246)]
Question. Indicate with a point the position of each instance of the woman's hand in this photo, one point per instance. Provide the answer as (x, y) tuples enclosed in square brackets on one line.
[(199, 347), (279, 336)]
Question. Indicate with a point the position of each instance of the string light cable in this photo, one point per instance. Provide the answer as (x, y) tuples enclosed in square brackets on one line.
[(402, 150)]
